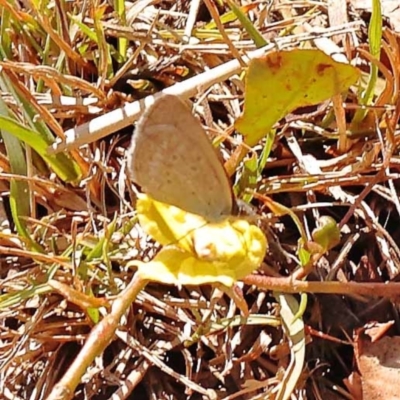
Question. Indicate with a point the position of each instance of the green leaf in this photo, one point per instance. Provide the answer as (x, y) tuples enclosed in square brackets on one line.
[(249, 178), (270, 138), (303, 253), (92, 312)]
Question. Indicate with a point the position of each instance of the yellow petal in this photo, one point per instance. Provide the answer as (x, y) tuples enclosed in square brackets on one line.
[(165, 223)]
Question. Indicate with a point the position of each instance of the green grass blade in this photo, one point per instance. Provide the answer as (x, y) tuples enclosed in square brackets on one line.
[(61, 163), (255, 35), (375, 38)]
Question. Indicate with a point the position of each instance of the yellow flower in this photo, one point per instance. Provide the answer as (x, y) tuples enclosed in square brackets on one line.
[(196, 251)]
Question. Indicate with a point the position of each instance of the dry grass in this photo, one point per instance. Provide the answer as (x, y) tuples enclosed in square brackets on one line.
[(68, 225)]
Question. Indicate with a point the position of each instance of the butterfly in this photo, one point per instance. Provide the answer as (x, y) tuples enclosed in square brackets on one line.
[(172, 159)]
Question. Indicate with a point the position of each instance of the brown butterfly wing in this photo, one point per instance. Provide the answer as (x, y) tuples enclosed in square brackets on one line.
[(173, 161)]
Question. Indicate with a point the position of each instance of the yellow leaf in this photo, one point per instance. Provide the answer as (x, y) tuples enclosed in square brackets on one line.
[(282, 81)]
